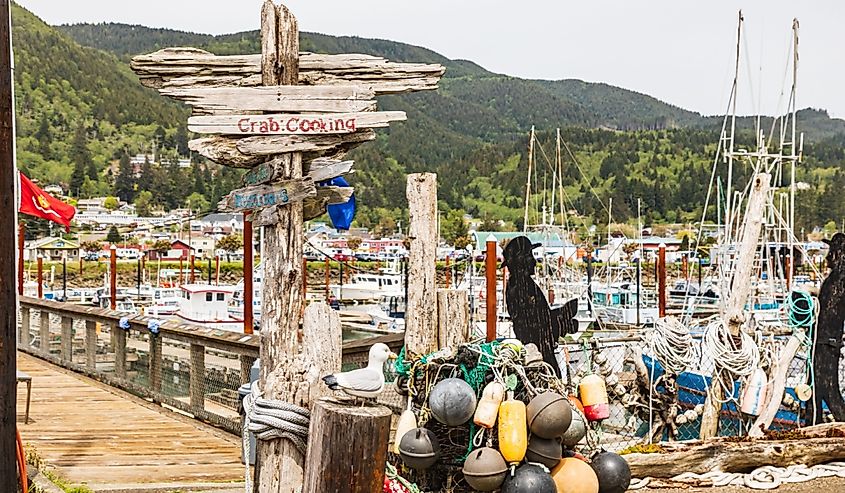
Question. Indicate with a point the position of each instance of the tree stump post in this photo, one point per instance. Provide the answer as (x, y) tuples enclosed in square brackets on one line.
[(453, 317), (334, 465), (421, 306)]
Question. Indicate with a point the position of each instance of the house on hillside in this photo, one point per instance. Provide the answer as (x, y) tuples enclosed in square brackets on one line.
[(178, 250), (52, 249), (220, 224)]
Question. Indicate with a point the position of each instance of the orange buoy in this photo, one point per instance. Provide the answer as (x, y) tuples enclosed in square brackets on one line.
[(594, 397), (576, 403), (575, 476)]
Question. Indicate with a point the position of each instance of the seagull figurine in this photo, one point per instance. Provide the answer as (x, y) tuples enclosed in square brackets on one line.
[(365, 382)]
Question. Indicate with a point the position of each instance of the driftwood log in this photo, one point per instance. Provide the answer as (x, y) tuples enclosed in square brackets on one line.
[(809, 446), (192, 67)]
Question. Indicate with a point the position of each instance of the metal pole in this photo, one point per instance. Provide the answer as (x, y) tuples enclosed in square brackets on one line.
[(21, 238), (248, 268), (490, 265), (64, 277), (181, 266), (192, 266), (590, 281), (138, 278), (209, 271), (340, 286), (8, 262), (40, 277), (639, 292), (661, 279), (113, 277), (217, 269)]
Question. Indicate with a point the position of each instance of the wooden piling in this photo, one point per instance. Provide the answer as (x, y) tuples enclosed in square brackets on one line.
[(113, 277), (453, 317), (490, 265), (25, 336), (421, 326), (44, 332), (334, 465), (67, 339), (155, 363), (91, 345), (197, 382), (119, 351), (661, 280)]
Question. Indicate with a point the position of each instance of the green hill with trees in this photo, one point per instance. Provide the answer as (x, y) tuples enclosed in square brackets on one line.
[(82, 113)]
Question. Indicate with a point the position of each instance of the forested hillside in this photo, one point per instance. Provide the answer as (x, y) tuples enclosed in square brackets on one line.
[(75, 102)]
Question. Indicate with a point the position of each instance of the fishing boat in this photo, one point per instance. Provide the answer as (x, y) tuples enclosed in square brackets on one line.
[(208, 305), (165, 302), (620, 304), (369, 287)]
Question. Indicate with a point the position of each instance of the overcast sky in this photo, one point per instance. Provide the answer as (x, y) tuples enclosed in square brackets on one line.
[(681, 52)]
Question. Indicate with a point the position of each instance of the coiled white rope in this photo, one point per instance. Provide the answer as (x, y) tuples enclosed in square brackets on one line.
[(741, 361), (270, 419), (762, 478), (671, 343)]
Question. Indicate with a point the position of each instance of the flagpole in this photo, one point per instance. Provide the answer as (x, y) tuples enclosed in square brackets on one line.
[(8, 262)]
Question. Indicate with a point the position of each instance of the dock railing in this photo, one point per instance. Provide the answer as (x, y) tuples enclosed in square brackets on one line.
[(192, 369)]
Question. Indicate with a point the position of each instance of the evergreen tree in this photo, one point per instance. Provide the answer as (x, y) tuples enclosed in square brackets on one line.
[(44, 138), (113, 236), (124, 184)]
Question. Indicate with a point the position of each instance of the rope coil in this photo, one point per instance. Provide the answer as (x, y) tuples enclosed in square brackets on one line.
[(762, 478), (269, 419), (672, 344)]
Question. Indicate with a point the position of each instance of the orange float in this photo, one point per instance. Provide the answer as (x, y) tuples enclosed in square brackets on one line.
[(575, 476)]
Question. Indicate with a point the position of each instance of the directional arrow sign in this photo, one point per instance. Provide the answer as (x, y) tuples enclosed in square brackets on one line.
[(259, 197), (302, 124)]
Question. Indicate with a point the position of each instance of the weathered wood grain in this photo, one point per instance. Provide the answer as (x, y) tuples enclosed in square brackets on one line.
[(334, 465), (282, 99), (421, 328), (452, 317), (101, 436), (323, 169), (186, 67), (246, 152), (809, 448), (292, 124)]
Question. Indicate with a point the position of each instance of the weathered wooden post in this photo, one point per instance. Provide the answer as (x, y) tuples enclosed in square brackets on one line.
[(26, 323), (119, 351), (332, 465), (197, 383), (44, 332), (155, 363), (67, 339), (267, 128), (453, 317), (91, 345), (421, 303), (734, 315)]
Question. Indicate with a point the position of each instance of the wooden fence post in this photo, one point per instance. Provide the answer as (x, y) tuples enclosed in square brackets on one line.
[(91, 344), (26, 322), (246, 366), (197, 385), (347, 448), (44, 332), (453, 317), (421, 325), (155, 363), (67, 339), (119, 351)]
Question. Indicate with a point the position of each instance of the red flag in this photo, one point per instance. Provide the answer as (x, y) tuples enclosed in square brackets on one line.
[(36, 202)]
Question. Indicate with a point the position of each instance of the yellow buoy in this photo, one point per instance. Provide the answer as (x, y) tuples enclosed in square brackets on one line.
[(488, 405), (575, 476), (513, 430)]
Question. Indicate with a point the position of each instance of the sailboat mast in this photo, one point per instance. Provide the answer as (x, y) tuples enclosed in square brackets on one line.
[(794, 153), (733, 129), (528, 181)]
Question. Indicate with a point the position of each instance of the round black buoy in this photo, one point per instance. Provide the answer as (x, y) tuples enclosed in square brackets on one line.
[(419, 448), (529, 478), (613, 472)]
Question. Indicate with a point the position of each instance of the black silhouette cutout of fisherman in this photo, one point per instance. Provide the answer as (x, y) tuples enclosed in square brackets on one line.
[(533, 320), (828, 344)]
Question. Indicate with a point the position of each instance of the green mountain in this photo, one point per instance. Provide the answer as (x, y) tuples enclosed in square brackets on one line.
[(472, 132)]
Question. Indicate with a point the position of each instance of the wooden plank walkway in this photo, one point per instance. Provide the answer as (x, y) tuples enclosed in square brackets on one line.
[(96, 435)]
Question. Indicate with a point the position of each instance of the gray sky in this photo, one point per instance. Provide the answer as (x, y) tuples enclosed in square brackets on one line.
[(679, 51)]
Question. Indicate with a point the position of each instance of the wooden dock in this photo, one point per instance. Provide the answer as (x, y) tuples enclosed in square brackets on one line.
[(93, 434)]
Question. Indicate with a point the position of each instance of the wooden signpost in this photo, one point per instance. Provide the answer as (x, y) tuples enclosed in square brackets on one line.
[(273, 112)]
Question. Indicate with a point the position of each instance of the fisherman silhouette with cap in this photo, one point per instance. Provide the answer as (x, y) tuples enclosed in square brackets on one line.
[(528, 308)]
